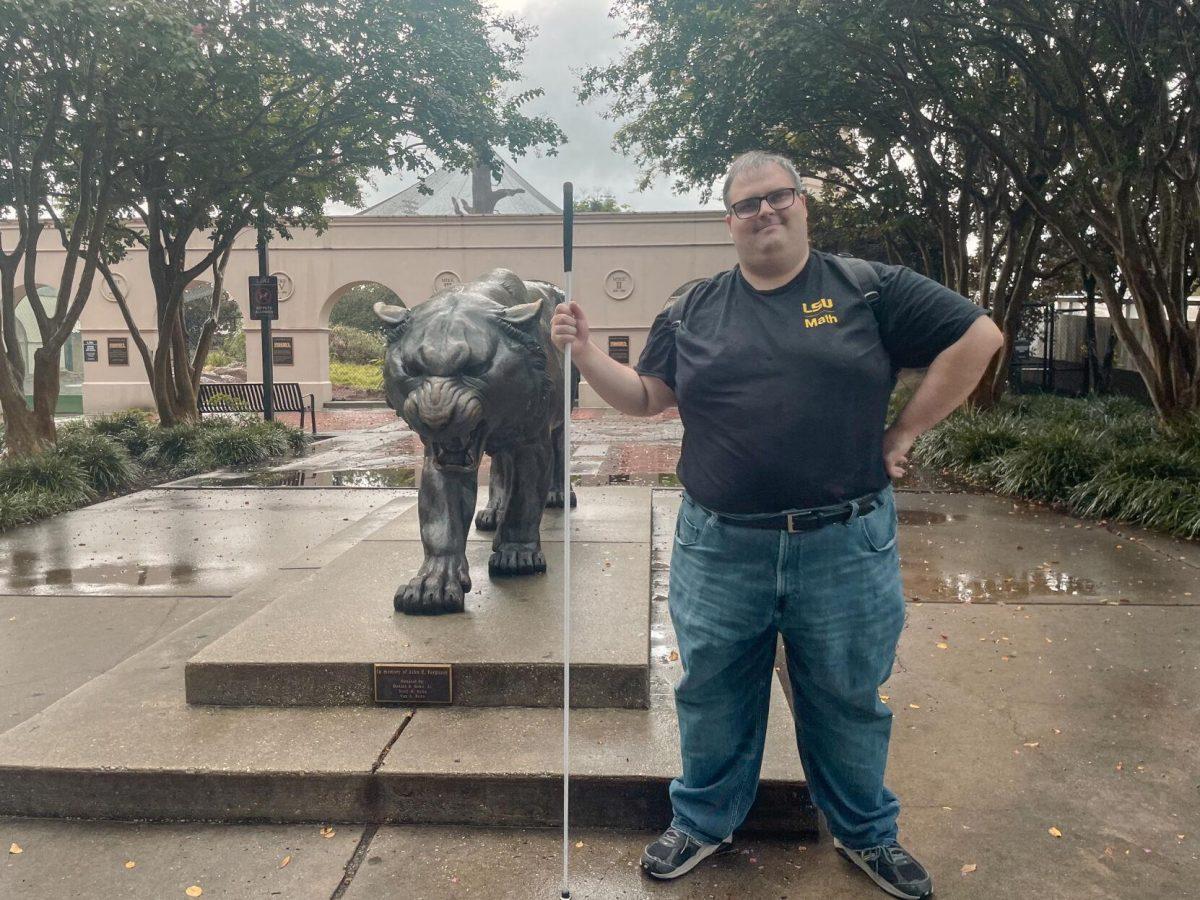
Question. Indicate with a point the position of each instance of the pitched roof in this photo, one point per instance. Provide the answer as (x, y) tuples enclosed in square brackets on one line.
[(452, 191)]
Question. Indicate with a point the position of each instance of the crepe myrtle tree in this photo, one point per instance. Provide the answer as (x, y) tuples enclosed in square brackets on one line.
[(289, 105), (1114, 164), (700, 84), (68, 74)]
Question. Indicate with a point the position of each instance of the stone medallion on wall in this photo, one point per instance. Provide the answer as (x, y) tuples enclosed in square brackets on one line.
[(122, 284), (618, 284), (287, 287), (446, 279)]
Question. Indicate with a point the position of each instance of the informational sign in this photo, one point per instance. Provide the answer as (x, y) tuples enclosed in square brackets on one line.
[(91, 351), (264, 297), (618, 347), (118, 351), (281, 351), (414, 683)]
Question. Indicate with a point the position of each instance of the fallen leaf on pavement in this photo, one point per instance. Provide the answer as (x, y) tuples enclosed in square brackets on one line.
[(287, 859), (672, 656), (328, 831), (579, 844), (1055, 832), (1032, 743), (943, 646), (129, 864), (914, 706), (194, 891), (15, 848), (969, 868)]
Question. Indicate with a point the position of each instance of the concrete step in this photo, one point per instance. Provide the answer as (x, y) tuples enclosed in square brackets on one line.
[(128, 746), (318, 644)]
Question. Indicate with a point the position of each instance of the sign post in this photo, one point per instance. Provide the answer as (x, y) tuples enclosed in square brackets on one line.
[(264, 306)]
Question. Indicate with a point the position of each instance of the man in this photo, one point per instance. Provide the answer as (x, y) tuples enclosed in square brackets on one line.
[(782, 368)]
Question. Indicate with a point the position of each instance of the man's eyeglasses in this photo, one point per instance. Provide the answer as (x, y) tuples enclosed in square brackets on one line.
[(748, 208)]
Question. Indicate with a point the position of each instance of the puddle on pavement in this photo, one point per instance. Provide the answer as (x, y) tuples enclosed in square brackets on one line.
[(25, 575), (393, 477), (646, 479), (924, 517), (975, 589)]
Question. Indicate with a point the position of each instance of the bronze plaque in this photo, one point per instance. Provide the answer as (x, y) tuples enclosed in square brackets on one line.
[(118, 351), (281, 351), (414, 683), (618, 347)]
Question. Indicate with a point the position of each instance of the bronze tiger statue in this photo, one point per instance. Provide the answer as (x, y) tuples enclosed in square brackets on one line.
[(473, 370)]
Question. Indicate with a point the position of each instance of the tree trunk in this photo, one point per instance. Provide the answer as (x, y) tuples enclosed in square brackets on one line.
[(28, 431), (46, 378)]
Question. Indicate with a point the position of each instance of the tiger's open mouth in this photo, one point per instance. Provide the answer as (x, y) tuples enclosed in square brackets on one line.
[(457, 453)]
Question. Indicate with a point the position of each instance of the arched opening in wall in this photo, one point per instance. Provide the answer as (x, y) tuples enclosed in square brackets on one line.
[(356, 341), (70, 361), (681, 290), (226, 360)]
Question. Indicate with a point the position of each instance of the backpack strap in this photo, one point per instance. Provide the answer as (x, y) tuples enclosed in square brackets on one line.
[(862, 274), (675, 316)]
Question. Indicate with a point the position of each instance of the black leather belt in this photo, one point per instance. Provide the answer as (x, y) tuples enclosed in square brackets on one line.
[(811, 519)]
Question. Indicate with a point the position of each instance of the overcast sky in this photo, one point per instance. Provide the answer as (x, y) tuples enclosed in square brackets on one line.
[(572, 34)]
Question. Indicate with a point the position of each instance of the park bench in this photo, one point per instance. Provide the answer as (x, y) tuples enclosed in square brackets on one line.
[(248, 397)]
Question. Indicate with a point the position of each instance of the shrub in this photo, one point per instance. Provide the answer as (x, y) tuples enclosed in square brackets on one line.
[(220, 399), (175, 450), (217, 359), (1115, 408), (104, 462), (1048, 465), (1140, 484), (295, 441), (969, 442), (50, 473), (131, 427), (233, 346), (1185, 433), (353, 345), (242, 445), (23, 507), (1049, 408)]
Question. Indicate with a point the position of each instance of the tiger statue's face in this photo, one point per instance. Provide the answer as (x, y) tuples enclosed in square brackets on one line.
[(465, 371)]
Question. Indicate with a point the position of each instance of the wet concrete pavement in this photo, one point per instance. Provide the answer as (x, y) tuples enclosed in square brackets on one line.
[(1047, 679)]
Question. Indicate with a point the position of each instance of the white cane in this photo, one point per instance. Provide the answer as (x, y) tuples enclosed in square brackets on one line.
[(568, 241)]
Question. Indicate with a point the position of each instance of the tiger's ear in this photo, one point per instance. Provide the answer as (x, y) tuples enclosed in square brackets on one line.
[(391, 315), (525, 316)]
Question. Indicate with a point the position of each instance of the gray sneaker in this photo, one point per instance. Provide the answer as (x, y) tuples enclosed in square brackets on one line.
[(676, 853), (892, 868)]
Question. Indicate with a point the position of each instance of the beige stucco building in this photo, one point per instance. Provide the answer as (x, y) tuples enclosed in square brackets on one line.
[(627, 266)]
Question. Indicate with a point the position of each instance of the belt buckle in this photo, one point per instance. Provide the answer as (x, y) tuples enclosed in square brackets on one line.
[(807, 514)]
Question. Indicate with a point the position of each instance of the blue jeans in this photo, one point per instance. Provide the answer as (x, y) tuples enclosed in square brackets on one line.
[(835, 595)]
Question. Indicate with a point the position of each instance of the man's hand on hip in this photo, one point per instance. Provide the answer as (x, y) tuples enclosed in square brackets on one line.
[(896, 445)]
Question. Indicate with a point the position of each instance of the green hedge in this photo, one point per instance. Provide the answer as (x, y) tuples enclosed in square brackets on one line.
[(114, 453), (1104, 457)]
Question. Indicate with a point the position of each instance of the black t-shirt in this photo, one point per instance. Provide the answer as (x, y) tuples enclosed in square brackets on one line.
[(783, 393)]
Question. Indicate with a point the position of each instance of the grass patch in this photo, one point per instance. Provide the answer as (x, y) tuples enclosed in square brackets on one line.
[(363, 376)]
